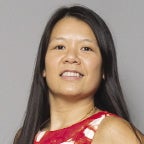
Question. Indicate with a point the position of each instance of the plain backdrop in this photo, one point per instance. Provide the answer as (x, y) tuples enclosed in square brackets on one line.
[(21, 26)]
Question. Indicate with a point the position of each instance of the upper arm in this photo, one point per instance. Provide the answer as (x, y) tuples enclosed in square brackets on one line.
[(115, 130)]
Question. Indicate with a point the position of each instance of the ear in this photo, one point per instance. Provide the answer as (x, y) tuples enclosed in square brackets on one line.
[(44, 73)]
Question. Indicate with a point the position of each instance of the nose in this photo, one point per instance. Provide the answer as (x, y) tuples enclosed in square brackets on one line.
[(71, 57)]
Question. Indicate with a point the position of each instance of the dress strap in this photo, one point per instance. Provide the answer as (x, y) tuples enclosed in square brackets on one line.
[(97, 121), (93, 125)]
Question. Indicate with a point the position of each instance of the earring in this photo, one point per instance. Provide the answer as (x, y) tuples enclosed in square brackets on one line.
[(44, 73), (103, 77)]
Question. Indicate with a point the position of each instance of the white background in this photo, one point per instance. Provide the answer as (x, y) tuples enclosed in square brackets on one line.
[(21, 26)]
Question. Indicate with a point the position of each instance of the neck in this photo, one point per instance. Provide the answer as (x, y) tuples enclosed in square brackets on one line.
[(65, 113)]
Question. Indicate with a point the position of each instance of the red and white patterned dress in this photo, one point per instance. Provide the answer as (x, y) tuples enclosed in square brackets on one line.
[(79, 133)]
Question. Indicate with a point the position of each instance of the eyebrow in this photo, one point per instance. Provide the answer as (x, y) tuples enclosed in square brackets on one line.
[(64, 39)]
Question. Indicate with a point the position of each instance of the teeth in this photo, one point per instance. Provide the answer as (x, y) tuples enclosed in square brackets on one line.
[(71, 74)]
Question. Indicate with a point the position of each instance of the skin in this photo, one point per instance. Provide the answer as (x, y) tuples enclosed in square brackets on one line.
[(73, 48), (115, 130)]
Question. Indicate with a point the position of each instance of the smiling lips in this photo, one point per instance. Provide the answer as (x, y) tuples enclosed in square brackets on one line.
[(71, 75)]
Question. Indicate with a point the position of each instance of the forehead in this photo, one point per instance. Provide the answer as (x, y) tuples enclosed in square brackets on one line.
[(71, 26)]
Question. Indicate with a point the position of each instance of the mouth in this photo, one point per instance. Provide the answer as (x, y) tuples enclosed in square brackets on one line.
[(70, 73)]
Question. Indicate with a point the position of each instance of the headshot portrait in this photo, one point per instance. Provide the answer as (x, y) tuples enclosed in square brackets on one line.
[(79, 78)]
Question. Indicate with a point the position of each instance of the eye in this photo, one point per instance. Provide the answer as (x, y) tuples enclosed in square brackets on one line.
[(60, 47), (86, 49)]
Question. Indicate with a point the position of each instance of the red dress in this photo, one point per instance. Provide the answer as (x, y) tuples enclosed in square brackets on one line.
[(79, 133)]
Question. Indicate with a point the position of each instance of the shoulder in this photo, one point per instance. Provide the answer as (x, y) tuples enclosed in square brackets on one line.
[(114, 129)]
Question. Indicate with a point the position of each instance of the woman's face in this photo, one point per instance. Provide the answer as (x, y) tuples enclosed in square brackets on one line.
[(73, 62)]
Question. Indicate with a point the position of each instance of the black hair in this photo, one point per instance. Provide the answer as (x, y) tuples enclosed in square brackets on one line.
[(109, 96)]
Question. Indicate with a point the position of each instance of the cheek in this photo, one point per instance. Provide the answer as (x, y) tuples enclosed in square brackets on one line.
[(94, 65), (51, 61), (50, 67), (94, 70), (95, 75), (50, 73)]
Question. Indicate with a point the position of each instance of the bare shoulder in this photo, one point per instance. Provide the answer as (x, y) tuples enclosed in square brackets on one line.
[(114, 130)]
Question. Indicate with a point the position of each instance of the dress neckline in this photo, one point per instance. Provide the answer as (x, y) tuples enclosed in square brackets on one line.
[(94, 116)]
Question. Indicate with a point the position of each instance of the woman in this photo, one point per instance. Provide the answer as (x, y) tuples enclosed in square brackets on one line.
[(76, 95)]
